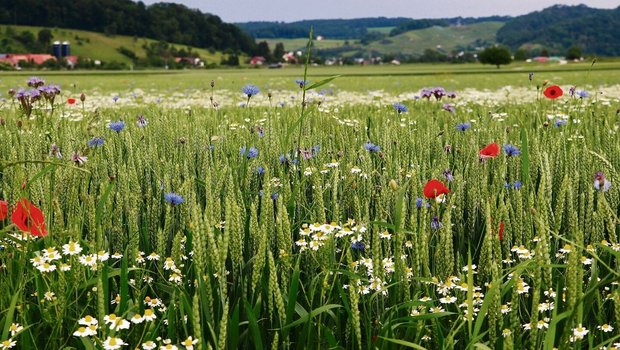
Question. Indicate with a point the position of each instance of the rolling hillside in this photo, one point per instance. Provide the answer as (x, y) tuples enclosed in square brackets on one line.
[(96, 46), (443, 39)]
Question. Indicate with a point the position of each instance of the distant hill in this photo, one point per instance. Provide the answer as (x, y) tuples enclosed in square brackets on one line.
[(330, 28), (95, 46), (444, 22), (161, 21), (559, 27)]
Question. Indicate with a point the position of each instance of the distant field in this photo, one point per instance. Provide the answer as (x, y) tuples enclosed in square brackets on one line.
[(300, 43), (101, 47), (444, 39), (382, 30), (394, 79)]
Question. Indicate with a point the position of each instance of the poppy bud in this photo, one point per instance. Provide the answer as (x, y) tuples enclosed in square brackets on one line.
[(11, 92), (269, 94), (546, 124), (20, 124), (212, 83), (82, 97)]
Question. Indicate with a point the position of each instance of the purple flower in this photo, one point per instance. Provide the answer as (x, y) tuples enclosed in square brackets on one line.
[(448, 107), (95, 142), (601, 183), (463, 126), (253, 152), (583, 94), (435, 223), (283, 159), (438, 92), (274, 196), (358, 246), (400, 108), (517, 185), (571, 91), (511, 150), (78, 159), (35, 82), (448, 175), (315, 149), (250, 90), (55, 151), (117, 126), (260, 170), (173, 198), (260, 131), (142, 122), (115, 98), (371, 147)]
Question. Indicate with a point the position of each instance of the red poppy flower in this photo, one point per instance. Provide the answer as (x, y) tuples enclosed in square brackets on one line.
[(29, 218), (4, 210), (71, 101), (435, 188), (553, 92), (501, 230), (490, 151)]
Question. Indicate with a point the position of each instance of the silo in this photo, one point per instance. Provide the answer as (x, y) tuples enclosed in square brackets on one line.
[(65, 49), (56, 51)]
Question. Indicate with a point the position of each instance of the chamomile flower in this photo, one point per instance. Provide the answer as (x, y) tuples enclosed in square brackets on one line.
[(579, 332), (88, 320), (606, 328), (15, 328), (149, 315), (189, 343), (7, 344), (149, 345), (112, 343)]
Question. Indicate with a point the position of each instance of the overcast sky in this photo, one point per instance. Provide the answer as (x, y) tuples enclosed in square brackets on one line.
[(293, 10)]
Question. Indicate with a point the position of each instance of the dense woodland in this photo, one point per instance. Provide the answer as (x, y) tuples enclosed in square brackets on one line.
[(560, 27), (162, 21)]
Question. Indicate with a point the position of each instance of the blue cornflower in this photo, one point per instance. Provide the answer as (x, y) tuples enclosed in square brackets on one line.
[(211, 147), (315, 149), (117, 126), (250, 90), (115, 98), (435, 223), (260, 170), (283, 159), (371, 147), (419, 202), (507, 185), (253, 152), (260, 131), (463, 126), (511, 150), (399, 107), (559, 122), (583, 94), (95, 142), (517, 185), (274, 196), (358, 245), (173, 198), (301, 83)]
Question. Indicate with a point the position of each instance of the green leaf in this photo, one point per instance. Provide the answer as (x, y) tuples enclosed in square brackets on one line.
[(312, 314), (322, 82), (254, 329), (525, 157), (403, 343)]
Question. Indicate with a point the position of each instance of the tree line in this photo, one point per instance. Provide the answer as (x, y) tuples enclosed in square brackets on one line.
[(162, 21)]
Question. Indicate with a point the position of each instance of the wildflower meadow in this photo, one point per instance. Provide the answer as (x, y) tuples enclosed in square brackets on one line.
[(310, 217)]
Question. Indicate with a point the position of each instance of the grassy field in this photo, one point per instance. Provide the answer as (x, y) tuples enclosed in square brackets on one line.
[(98, 46), (396, 79), (442, 223), (300, 43)]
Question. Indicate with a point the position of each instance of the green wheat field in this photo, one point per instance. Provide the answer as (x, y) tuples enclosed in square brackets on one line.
[(242, 209)]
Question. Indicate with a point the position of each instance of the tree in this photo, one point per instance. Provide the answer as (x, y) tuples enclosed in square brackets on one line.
[(573, 53), (278, 52), (521, 55), (263, 50), (496, 55), (44, 37)]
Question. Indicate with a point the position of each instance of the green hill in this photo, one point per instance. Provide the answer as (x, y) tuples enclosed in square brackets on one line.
[(96, 46), (443, 39)]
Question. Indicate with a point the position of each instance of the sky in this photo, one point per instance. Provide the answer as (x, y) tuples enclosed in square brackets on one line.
[(293, 10)]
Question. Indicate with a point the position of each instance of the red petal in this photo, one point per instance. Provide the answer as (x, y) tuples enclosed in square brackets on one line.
[(553, 92), (29, 218), (490, 151), (71, 101), (4, 210), (434, 188)]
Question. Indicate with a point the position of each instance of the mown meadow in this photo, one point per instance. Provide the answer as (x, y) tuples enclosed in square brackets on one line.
[(241, 221)]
